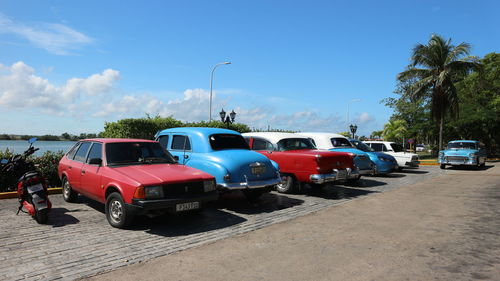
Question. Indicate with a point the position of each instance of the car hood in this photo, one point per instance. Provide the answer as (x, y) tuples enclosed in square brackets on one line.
[(402, 154), (381, 154), (348, 149), (153, 174)]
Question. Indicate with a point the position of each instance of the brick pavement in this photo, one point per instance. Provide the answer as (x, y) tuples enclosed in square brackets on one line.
[(78, 241)]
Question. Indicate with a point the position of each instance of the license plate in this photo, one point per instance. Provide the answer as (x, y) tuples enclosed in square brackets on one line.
[(258, 170), (35, 188), (342, 175), (187, 206)]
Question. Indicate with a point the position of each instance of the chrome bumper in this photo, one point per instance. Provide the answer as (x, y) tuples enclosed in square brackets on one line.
[(322, 178), (248, 184), (412, 164), (367, 172)]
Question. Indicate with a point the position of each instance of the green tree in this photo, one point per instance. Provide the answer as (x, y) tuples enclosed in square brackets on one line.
[(395, 130), (441, 66)]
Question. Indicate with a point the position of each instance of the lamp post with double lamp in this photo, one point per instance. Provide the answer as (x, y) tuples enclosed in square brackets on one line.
[(229, 119), (211, 83), (353, 128)]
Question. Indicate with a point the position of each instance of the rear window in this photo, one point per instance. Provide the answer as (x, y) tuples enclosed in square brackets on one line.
[(295, 144), (227, 141), (340, 142)]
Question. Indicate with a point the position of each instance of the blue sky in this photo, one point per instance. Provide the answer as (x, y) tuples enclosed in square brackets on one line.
[(71, 66)]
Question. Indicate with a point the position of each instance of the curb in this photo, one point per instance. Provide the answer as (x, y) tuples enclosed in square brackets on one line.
[(13, 194)]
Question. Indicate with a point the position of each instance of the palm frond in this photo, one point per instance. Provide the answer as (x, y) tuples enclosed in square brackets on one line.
[(459, 51)]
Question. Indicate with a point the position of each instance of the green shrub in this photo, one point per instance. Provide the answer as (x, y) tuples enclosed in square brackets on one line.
[(45, 164), (147, 127)]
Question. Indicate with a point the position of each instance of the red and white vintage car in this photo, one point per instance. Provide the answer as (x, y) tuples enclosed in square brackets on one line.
[(300, 161)]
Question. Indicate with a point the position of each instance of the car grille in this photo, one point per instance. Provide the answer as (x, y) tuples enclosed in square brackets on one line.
[(456, 158), (185, 188)]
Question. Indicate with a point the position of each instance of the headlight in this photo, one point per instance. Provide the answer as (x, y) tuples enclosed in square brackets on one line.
[(209, 185), (384, 159), (153, 192)]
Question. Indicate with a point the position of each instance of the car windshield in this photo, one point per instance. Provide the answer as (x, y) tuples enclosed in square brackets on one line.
[(362, 146), (294, 144), (340, 142), (227, 141), (397, 147), (130, 153), (462, 145)]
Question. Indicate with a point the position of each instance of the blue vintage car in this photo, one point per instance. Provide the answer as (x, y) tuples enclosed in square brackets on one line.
[(384, 163), (463, 152), (225, 155)]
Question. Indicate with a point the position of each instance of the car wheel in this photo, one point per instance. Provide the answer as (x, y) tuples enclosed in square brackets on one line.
[(42, 216), (67, 192), (288, 184), (442, 166), (116, 212), (400, 169)]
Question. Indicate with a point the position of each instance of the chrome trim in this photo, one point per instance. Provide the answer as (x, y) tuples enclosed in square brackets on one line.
[(248, 184), (322, 178)]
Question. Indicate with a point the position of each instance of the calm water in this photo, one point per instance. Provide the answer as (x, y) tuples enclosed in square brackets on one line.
[(19, 146)]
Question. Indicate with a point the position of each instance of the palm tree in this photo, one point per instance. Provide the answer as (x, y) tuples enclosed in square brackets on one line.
[(394, 130), (441, 67)]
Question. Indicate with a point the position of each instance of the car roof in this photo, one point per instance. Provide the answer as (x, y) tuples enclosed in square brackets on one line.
[(464, 141), (274, 137), (202, 130), (112, 140), (322, 134)]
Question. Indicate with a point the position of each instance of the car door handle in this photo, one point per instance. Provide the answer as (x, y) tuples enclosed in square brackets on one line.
[(70, 167), (83, 172), (186, 156)]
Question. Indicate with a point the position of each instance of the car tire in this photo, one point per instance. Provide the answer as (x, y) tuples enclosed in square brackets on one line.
[(442, 166), (67, 192), (288, 184), (116, 212), (42, 216), (400, 169)]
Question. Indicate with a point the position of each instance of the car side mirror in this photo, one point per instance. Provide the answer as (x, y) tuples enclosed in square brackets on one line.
[(95, 161)]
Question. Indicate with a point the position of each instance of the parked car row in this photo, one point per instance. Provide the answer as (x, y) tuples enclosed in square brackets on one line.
[(186, 168)]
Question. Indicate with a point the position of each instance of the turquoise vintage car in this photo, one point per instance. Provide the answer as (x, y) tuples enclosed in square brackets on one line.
[(225, 155), (463, 152)]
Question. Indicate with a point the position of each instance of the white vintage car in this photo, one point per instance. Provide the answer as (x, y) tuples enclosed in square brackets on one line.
[(405, 159)]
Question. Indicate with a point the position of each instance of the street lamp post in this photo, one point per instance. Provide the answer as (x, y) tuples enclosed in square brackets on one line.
[(211, 83), (353, 128), (229, 119)]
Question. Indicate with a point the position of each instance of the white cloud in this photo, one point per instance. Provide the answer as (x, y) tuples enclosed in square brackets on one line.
[(21, 88), (53, 37), (364, 118)]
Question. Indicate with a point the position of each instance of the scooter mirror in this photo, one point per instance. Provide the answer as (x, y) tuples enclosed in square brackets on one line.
[(4, 161), (32, 140)]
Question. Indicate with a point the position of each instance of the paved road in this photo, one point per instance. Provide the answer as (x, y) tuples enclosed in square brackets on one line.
[(444, 228), (78, 241)]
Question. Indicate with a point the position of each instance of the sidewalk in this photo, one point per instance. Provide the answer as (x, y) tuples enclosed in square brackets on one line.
[(446, 228)]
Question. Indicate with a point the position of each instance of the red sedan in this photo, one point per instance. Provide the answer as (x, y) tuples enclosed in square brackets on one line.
[(131, 177)]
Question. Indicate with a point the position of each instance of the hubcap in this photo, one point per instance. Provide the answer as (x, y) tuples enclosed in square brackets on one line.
[(66, 189), (284, 182), (116, 211)]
